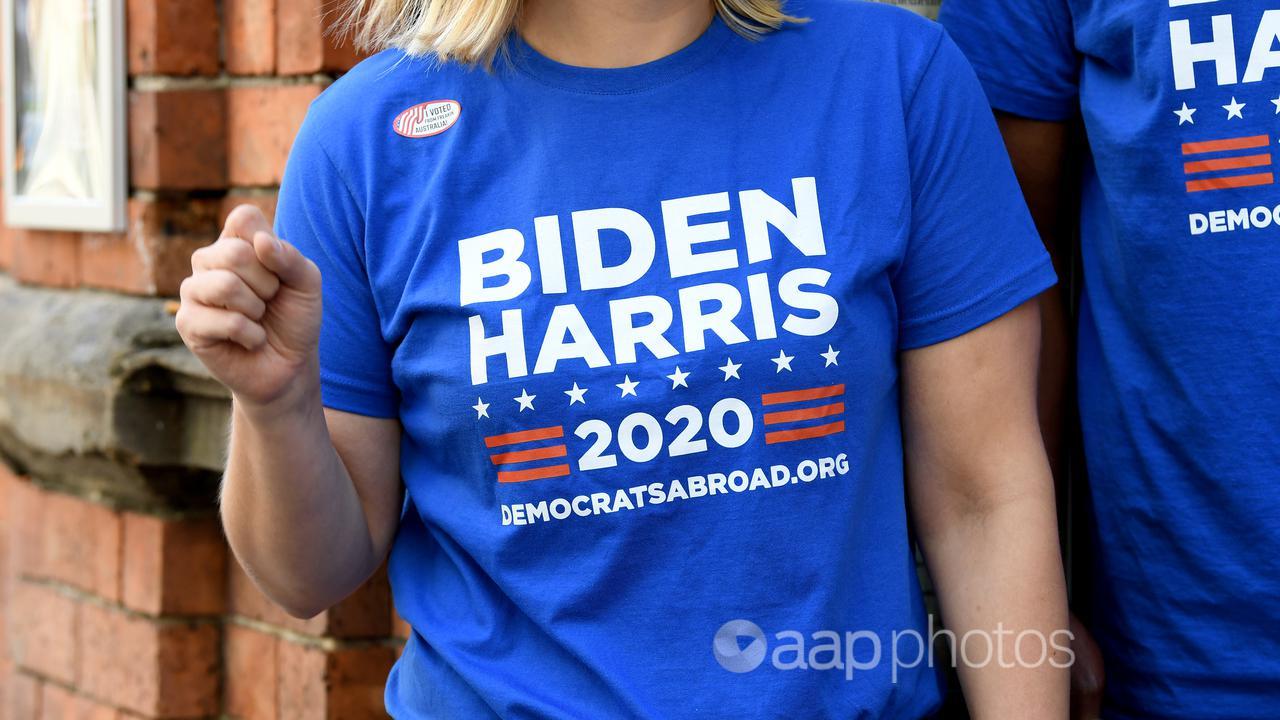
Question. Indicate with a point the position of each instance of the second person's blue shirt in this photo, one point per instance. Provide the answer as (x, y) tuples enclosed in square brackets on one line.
[(1179, 380)]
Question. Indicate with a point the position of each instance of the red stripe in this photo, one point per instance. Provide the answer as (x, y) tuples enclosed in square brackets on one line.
[(1237, 181), (1227, 163), (800, 395), (782, 436), (519, 456), (542, 473), (1240, 143), (545, 433), (787, 416)]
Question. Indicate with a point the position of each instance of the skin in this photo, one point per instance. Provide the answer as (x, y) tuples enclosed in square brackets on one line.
[(311, 496), (981, 497), (1038, 150)]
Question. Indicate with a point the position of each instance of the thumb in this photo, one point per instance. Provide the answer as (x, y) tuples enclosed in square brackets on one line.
[(287, 262)]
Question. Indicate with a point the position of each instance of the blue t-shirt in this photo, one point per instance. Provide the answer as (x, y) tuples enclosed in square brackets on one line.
[(642, 327), (1179, 329)]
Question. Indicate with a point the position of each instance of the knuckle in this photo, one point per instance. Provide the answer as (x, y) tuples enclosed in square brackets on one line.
[(225, 285), (238, 325), (238, 253), (255, 308), (183, 322), (199, 256)]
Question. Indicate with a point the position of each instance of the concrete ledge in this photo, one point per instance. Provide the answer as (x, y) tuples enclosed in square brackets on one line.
[(98, 394)]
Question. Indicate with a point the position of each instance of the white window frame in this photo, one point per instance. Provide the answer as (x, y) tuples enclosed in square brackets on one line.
[(103, 215)]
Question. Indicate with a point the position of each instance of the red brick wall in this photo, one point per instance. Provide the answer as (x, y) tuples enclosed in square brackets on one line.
[(110, 613), (121, 614)]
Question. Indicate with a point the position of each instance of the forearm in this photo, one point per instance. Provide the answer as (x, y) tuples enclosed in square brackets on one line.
[(291, 512), (1039, 154), (1055, 374), (997, 572)]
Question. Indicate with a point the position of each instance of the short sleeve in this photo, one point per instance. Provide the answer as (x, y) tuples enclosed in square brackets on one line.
[(973, 252), (318, 214), (1023, 51)]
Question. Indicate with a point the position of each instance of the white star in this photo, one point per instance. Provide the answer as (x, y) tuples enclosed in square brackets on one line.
[(576, 394), (730, 369), (783, 361), (677, 378), (525, 400), (830, 355), (481, 407), (1276, 102), (628, 386), (1184, 115), (1233, 110)]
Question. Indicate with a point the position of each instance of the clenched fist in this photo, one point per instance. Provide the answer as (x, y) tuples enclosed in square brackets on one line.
[(251, 310)]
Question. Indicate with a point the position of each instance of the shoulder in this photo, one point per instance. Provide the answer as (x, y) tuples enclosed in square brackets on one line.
[(377, 84), (865, 21), (869, 31), (351, 120)]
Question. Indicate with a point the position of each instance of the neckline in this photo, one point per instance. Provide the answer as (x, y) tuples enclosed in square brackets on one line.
[(624, 80)]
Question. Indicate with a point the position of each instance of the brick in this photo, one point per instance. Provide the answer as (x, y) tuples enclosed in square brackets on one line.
[(173, 37), (81, 544), (58, 703), (250, 36), (177, 139), (7, 672), (363, 614), (262, 121), (343, 683), (5, 603), (22, 698), (10, 486), (157, 668), (174, 566), (302, 682), (6, 240), (305, 42), (188, 665), (114, 261), (44, 631), (359, 684), (154, 255), (26, 533), (249, 658), (45, 257), (6, 679)]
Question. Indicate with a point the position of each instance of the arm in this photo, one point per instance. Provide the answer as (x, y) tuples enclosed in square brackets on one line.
[(311, 497), (981, 496), (1038, 150)]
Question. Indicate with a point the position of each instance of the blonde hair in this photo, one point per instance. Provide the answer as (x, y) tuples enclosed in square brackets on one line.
[(472, 31)]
